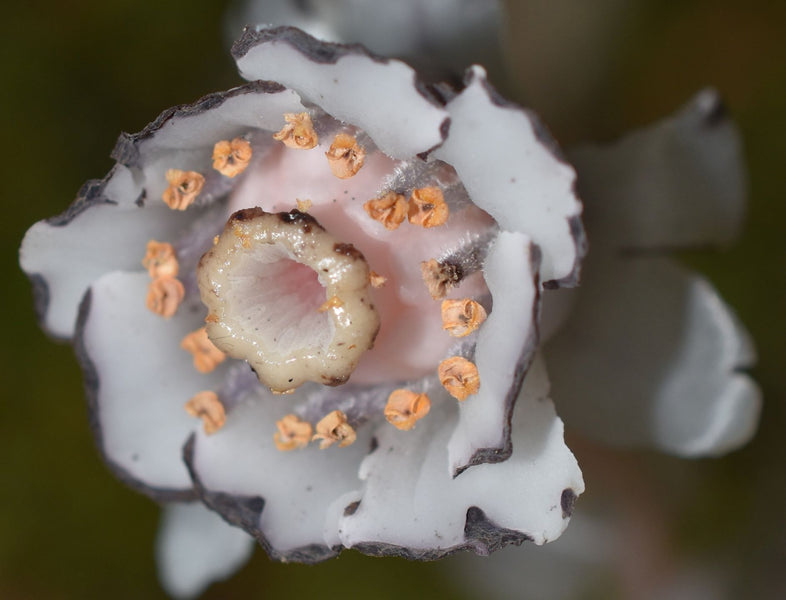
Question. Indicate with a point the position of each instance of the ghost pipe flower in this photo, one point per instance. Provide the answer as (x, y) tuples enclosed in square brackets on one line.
[(263, 192)]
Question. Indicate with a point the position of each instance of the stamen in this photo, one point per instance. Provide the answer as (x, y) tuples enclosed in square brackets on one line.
[(440, 277), (232, 158), (160, 260), (184, 187), (164, 296), (459, 377), (208, 407), (206, 356), (288, 297), (427, 207), (333, 302), (405, 408), (462, 317), (293, 432), (345, 156), (334, 428), (303, 205), (390, 209), (298, 133), (376, 280)]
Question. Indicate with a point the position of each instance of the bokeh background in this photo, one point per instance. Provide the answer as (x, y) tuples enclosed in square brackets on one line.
[(75, 74)]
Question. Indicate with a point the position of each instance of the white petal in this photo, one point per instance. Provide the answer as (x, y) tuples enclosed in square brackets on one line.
[(509, 167), (139, 380), (280, 497), (380, 96), (196, 547), (412, 506), (679, 182), (183, 137), (69, 256), (652, 355), (505, 346)]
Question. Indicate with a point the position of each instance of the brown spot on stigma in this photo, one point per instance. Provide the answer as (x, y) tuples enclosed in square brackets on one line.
[(265, 282)]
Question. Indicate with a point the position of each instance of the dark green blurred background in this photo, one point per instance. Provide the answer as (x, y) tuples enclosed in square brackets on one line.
[(75, 74)]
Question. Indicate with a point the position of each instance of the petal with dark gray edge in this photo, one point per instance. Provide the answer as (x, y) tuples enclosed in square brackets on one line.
[(138, 381), (279, 497), (526, 187), (411, 506), (678, 183), (653, 344), (660, 354), (483, 428)]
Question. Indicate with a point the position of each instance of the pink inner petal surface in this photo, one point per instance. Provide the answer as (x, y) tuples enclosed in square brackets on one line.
[(411, 341)]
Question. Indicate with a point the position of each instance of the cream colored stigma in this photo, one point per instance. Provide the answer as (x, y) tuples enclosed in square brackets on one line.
[(289, 298)]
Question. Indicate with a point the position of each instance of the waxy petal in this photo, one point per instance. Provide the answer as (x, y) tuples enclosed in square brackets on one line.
[(661, 356), (411, 505), (102, 237), (196, 547), (279, 497), (381, 96), (138, 380), (677, 183), (526, 186), (483, 430)]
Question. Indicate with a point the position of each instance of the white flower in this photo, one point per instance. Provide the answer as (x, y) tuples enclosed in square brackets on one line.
[(473, 475)]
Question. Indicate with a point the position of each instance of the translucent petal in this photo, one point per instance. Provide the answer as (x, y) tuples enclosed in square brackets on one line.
[(196, 547), (412, 506), (139, 380), (380, 96), (280, 497), (505, 346), (652, 355), (68, 257), (511, 170), (677, 183)]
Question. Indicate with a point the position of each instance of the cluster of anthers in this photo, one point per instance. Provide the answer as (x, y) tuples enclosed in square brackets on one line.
[(254, 239)]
